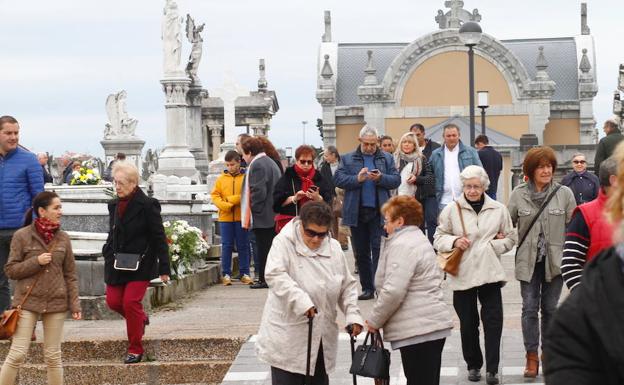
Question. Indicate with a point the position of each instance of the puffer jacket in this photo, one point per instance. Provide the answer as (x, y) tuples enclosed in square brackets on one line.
[(57, 289), (346, 178), (21, 179), (298, 279), (554, 219), (226, 195), (480, 263), (410, 300)]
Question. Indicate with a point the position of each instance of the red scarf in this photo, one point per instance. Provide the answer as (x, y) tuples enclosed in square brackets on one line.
[(46, 228), (122, 205), (306, 181)]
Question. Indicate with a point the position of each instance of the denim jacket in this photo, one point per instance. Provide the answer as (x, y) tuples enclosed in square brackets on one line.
[(467, 156)]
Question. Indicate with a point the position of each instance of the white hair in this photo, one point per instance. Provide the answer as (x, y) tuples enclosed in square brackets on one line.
[(368, 131), (129, 171), (475, 172)]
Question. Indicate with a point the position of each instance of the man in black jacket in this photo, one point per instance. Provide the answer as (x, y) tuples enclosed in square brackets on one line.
[(492, 163), (585, 342), (607, 145), (425, 193)]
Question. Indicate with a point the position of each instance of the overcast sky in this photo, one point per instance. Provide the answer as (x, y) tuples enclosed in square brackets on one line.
[(61, 58)]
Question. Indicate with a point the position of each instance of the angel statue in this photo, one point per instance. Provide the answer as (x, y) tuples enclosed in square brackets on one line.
[(172, 37), (120, 124), (193, 33)]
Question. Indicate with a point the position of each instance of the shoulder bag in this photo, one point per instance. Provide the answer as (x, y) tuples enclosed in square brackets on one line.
[(539, 212), (449, 260), (371, 360), (10, 318), (125, 261)]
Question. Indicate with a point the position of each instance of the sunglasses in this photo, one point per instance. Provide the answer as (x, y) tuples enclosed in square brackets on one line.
[(579, 161), (305, 161), (313, 234)]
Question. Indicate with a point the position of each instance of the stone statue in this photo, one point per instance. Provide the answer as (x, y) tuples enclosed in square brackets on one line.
[(171, 36), (120, 124), (193, 33), (441, 19), (150, 164), (621, 78), (476, 16), (456, 16)]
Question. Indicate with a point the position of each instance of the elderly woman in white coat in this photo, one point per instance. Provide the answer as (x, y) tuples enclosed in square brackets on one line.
[(410, 306), (489, 234), (308, 276)]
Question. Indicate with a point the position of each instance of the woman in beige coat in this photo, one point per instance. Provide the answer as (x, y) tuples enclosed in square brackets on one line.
[(489, 234), (308, 276), (41, 250), (410, 305)]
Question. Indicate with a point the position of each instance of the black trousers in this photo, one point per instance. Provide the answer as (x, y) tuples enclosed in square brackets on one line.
[(264, 239), (465, 304), (422, 362), (282, 377)]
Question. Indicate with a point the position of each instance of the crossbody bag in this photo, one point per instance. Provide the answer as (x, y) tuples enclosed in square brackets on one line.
[(125, 261), (539, 212)]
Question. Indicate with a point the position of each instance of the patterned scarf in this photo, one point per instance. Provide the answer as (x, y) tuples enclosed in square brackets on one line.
[(246, 217), (306, 181), (46, 228)]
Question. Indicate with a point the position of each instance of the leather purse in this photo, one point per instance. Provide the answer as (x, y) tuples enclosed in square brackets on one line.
[(10, 318), (449, 260), (371, 360), (127, 261)]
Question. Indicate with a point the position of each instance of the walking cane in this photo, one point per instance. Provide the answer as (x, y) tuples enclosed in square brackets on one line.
[(310, 320), (349, 329)]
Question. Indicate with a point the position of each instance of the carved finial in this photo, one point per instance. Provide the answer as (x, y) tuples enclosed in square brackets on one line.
[(585, 65), (262, 82), (327, 72), (476, 16), (584, 27), (456, 16), (370, 79), (541, 66), (327, 37)]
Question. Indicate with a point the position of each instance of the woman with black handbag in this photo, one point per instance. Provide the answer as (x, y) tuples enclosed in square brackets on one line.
[(410, 305), (41, 250), (135, 252)]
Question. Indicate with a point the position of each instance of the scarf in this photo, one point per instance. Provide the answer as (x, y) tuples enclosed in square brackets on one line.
[(401, 158), (122, 204), (46, 228), (538, 198), (246, 217), (306, 181)]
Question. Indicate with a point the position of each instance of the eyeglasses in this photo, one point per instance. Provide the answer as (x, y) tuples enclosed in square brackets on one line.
[(472, 187), (305, 161), (579, 161), (313, 234)]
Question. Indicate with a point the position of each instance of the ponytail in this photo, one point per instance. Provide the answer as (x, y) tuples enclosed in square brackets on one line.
[(42, 200), (28, 217)]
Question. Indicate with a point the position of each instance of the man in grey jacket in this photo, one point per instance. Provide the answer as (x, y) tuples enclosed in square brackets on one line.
[(257, 201)]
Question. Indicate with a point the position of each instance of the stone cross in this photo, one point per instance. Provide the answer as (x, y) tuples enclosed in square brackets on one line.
[(229, 92)]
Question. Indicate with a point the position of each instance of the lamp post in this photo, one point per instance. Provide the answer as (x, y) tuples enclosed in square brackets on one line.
[(304, 122), (289, 154), (470, 34), (482, 103)]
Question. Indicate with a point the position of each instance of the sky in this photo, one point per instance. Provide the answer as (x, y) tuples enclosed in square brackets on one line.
[(61, 58)]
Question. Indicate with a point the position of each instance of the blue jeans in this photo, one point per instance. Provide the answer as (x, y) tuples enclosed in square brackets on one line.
[(538, 295), (430, 208), (366, 238), (231, 232), (5, 247)]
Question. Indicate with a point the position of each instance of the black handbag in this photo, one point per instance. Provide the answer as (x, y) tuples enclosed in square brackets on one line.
[(371, 360), (125, 261)]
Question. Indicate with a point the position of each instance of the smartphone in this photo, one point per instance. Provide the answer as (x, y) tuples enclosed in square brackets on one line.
[(375, 171), (313, 188)]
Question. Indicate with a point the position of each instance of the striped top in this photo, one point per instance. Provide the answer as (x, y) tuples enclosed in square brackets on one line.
[(575, 249)]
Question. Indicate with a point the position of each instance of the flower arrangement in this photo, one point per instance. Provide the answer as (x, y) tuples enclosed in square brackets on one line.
[(88, 174), (187, 244)]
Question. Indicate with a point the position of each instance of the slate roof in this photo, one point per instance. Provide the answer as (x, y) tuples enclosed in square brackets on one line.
[(495, 137), (560, 54)]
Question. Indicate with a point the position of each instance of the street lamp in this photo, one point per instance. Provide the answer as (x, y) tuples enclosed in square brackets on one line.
[(304, 122), (289, 154), (482, 103), (470, 34)]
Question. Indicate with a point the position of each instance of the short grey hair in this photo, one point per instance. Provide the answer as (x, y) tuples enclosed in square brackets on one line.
[(368, 131), (475, 172), (607, 168), (614, 123), (129, 171), (42, 155)]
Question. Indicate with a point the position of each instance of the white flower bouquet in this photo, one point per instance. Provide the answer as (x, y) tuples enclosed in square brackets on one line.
[(187, 244)]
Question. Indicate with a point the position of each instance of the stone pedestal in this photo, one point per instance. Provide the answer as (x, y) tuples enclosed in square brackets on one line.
[(132, 147), (195, 133), (176, 158)]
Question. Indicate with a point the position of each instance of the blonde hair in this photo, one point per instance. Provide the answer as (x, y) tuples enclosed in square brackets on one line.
[(129, 170)]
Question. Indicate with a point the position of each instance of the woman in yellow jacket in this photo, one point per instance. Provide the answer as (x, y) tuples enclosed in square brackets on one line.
[(226, 195)]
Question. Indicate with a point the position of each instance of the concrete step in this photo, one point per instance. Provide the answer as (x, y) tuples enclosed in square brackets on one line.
[(160, 350), (173, 372)]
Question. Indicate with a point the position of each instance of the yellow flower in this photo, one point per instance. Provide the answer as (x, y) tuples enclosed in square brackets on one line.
[(89, 171)]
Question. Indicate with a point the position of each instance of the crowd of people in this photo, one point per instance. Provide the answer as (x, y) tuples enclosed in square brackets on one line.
[(402, 203)]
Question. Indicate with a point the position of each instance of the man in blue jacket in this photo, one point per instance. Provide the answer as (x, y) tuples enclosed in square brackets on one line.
[(448, 161), (21, 178), (367, 175)]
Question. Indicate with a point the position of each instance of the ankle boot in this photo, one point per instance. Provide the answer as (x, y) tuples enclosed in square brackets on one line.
[(532, 365)]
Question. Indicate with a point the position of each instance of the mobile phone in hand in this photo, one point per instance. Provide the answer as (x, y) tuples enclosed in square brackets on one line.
[(313, 188), (375, 171)]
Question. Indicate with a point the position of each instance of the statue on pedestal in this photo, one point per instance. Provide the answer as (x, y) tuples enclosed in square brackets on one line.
[(172, 37), (120, 124), (193, 33)]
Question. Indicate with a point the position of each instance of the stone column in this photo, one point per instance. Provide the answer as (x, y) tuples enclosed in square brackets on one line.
[(195, 134), (215, 134), (258, 129), (176, 158)]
